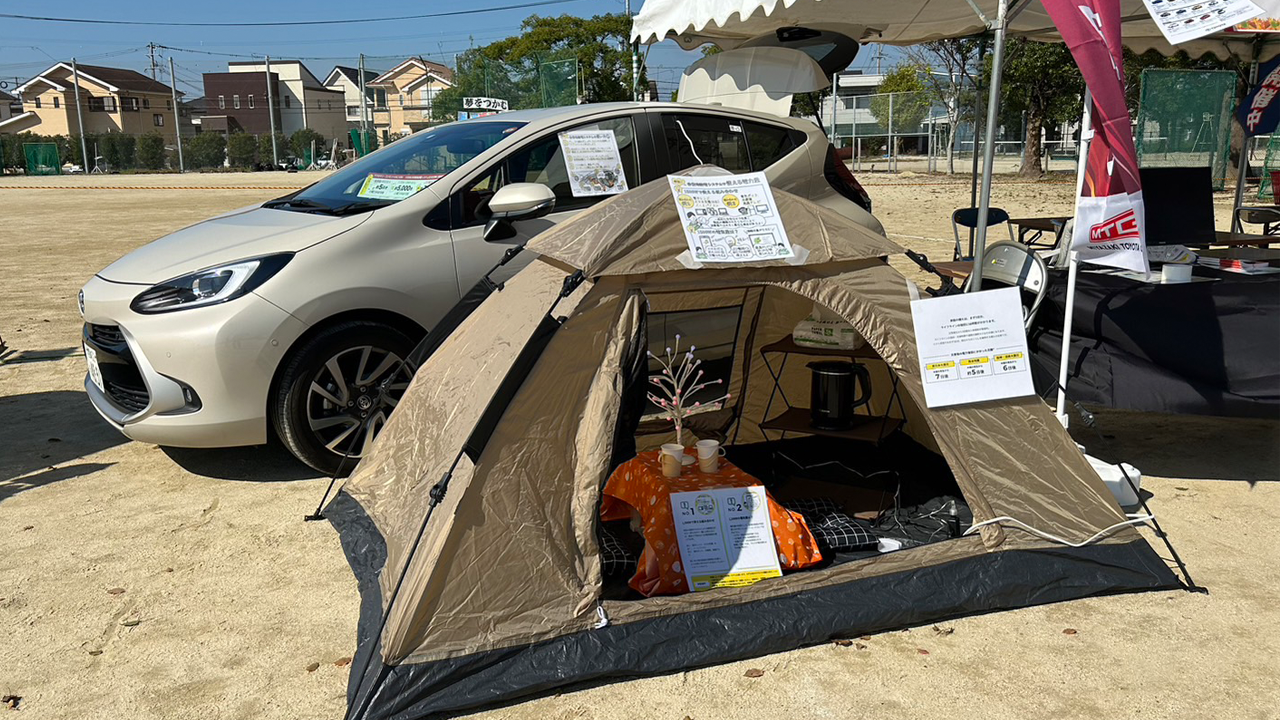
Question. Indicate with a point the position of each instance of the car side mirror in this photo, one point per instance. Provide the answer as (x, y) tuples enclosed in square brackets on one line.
[(514, 202)]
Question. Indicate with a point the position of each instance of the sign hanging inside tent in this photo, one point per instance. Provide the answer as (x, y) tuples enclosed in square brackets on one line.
[(730, 218), (1184, 20)]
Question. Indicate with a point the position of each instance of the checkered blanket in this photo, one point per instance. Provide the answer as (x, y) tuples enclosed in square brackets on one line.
[(834, 529)]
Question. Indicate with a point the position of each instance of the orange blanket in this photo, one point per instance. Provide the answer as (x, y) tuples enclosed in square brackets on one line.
[(639, 486)]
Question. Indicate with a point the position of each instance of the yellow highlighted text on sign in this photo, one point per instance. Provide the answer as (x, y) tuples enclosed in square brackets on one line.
[(941, 365), (741, 579), (973, 361), (1009, 356)]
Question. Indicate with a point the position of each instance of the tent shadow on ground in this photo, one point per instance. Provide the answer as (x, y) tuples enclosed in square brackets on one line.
[(258, 463), (13, 486), (1186, 446), (41, 431)]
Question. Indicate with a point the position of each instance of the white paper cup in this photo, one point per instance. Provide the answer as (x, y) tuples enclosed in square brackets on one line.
[(672, 457), (1175, 273), (709, 454)]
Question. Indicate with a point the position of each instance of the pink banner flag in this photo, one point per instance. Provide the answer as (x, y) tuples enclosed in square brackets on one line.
[(1110, 221)]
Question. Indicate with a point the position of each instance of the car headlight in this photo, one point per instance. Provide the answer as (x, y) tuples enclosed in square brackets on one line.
[(210, 286)]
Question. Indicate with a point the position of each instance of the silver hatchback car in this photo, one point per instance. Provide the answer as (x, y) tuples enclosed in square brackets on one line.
[(296, 316)]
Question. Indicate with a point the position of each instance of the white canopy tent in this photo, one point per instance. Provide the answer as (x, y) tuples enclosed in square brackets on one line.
[(730, 23)]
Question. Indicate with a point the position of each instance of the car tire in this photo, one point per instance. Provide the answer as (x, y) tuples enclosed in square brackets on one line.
[(336, 390)]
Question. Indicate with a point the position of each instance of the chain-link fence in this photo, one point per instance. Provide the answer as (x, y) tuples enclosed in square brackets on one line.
[(523, 85), (1184, 120), (913, 131)]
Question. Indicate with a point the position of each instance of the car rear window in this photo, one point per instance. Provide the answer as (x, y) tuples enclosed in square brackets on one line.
[(705, 140)]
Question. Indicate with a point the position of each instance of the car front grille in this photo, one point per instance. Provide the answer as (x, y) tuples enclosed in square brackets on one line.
[(106, 334), (133, 399)]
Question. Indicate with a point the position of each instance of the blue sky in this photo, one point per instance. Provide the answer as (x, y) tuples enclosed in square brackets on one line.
[(28, 46)]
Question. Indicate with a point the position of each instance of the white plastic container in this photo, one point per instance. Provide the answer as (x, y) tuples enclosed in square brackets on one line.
[(1115, 480)]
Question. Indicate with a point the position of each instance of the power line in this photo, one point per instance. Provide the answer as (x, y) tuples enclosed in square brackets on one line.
[(452, 13)]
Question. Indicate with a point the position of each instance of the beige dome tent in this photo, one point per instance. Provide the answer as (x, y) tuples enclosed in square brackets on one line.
[(511, 427)]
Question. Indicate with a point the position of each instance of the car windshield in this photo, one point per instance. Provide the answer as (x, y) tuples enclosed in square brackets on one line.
[(402, 168)]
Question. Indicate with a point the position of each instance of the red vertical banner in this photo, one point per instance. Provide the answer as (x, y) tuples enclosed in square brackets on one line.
[(1110, 220)]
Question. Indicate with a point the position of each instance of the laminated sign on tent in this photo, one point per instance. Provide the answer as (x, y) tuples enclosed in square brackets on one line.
[(475, 525)]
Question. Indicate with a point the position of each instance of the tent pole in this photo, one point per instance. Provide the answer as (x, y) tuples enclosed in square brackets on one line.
[(1073, 260), (1242, 169), (988, 150)]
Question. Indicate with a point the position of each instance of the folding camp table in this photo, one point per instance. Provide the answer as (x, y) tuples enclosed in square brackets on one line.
[(1039, 226)]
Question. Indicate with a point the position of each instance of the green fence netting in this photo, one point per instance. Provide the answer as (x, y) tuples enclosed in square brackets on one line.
[(42, 158), (1184, 120), (1271, 162)]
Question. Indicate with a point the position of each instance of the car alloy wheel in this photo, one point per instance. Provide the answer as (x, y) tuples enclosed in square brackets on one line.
[(352, 395)]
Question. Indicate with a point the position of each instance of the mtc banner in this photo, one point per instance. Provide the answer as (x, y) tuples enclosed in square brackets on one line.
[(1109, 227)]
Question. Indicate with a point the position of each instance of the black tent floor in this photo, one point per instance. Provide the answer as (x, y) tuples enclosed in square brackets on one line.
[(991, 582)]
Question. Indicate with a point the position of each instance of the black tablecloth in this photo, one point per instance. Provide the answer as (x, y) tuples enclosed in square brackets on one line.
[(1202, 348)]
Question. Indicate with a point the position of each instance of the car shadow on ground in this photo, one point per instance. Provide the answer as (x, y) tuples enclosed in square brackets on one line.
[(1186, 446), (39, 432), (259, 463)]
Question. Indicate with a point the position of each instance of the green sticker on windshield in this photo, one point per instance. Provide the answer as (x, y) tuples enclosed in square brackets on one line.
[(380, 186)]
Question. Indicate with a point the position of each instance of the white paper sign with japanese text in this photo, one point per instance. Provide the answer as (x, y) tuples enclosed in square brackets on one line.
[(730, 218), (592, 160), (383, 186), (485, 103), (1183, 20), (725, 537), (972, 347)]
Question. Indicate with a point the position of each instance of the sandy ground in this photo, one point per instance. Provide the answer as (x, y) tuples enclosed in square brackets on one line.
[(147, 583)]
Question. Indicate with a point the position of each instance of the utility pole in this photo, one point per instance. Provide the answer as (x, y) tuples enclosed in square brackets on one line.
[(177, 113), (271, 117), (84, 148), (635, 60), (364, 107), (879, 59), (151, 50)]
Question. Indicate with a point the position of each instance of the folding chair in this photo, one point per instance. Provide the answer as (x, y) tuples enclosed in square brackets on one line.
[(1015, 265), (968, 217)]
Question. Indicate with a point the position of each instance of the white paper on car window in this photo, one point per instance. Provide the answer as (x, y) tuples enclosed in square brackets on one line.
[(730, 218), (725, 537), (1183, 20), (593, 162), (382, 186), (972, 347)]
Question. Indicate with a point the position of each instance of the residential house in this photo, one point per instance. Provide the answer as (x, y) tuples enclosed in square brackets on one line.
[(301, 100), (237, 102), (9, 106), (111, 100), (411, 88), (347, 79)]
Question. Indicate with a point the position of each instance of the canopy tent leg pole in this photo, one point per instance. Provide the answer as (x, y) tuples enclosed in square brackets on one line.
[(977, 130), (1073, 260), (988, 150), (1242, 167)]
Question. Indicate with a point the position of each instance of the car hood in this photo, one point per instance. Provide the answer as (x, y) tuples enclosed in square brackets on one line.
[(251, 232)]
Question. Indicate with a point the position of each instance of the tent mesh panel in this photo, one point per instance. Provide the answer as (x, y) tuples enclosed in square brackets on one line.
[(42, 158), (1184, 120)]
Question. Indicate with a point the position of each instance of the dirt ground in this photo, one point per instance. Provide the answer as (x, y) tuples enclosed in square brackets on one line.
[(147, 583)]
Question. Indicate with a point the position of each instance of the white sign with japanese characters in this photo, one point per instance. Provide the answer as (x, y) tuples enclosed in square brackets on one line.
[(972, 347), (484, 103), (593, 162), (383, 186), (725, 537), (730, 218)]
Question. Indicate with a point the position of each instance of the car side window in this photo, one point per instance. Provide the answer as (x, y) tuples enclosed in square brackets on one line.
[(705, 139), (768, 143), (475, 195), (543, 163)]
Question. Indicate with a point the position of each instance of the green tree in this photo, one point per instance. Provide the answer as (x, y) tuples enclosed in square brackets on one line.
[(950, 85), (264, 148), (1041, 80), (512, 69), (902, 97), (150, 151), (206, 150), (242, 150), (300, 142)]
